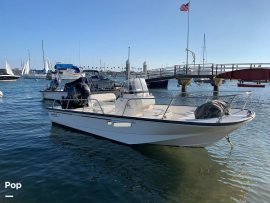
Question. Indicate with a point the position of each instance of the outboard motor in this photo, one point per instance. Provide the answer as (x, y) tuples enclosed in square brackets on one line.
[(78, 92)]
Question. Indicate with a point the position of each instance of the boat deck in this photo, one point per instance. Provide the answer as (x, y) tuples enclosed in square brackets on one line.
[(173, 113)]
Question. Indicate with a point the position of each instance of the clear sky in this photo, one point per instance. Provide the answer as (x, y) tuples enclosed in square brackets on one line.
[(85, 32)]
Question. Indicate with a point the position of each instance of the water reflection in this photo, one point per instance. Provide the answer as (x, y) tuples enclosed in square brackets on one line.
[(150, 171)]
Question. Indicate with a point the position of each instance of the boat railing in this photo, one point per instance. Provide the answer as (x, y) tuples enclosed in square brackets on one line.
[(169, 104), (231, 98), (86, 101), (229, 104), (137, 98)]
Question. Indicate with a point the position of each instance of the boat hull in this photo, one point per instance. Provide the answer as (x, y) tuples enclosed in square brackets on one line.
[(133, 130), (9, 77), (250, 85), (59, 95), (53, 95), (157, 84), (34, 76)]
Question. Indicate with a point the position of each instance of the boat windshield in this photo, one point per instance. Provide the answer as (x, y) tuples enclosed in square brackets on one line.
[(135, 85)]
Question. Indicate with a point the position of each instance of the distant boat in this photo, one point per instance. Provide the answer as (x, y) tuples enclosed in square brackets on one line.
[(6, 74), (26, 69), (27, 73), (157, 84), (250, 85), (66, 72), (96, 83), (35, 74)]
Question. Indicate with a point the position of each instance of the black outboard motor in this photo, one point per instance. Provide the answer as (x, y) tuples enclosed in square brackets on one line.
[(78, 92)]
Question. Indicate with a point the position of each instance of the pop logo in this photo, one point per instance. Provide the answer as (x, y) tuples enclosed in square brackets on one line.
[(10, 185)]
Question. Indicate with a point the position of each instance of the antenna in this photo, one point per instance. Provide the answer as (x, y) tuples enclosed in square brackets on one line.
[(128, 66), (128, 52)]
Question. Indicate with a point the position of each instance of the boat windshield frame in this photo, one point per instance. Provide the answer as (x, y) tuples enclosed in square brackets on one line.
[(135, 85)]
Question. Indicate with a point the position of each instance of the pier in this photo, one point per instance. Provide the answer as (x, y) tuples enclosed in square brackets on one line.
[(215, 72)]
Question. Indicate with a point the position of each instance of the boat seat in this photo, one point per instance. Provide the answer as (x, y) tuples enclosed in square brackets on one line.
[(105, 97), (107, 108)]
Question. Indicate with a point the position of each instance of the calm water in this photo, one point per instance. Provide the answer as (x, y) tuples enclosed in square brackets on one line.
[(56, 164)]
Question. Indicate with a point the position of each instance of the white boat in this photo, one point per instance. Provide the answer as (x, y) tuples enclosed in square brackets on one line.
[(97, 86), (135, 118), (27, 73), (6, 74), (26, 68), (66, 72)]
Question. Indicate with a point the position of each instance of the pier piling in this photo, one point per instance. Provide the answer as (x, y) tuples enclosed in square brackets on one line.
[(184, 82), (216, 82)]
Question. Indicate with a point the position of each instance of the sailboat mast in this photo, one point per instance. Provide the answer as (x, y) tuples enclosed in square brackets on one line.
[(43, 56), (204, 48), (29, 59)]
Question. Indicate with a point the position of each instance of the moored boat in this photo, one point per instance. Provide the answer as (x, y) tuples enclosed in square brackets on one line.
[(97, 85), (65, 72), (250, 85), (136, 118), (6, 74)]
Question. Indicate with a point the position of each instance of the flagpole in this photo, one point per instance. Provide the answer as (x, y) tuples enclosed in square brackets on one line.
[(187, 39)]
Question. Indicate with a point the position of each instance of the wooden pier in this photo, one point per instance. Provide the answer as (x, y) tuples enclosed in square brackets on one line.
[(212, 71)]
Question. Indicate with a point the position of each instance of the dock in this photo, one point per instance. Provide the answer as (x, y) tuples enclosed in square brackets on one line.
[(215, 72)]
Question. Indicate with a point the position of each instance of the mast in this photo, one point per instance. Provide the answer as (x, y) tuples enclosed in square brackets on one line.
[(128, 65), (43, 57), (29, 60), (187, 39), (204, 50), (185, 8), (80, 54)]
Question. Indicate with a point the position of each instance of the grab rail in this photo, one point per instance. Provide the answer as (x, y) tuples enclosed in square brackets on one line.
[(168, 107), (229, 104), (68, 100), (130, 99), (163, 113)]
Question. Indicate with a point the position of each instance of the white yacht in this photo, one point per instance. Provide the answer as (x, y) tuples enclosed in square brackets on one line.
[(137, 118)]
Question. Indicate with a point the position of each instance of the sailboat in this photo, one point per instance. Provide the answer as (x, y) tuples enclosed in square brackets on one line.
[(26, 69), (36, 74), (6, 74)]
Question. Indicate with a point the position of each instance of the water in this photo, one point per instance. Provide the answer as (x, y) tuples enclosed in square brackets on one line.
[(56, 164)]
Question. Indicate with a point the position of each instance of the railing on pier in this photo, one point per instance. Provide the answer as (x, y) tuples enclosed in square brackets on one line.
[(199, 70)]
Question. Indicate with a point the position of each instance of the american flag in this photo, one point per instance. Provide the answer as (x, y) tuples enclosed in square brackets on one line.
[(184, 7)]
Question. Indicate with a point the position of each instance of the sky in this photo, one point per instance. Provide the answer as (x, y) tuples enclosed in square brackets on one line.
[(94, 32)]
